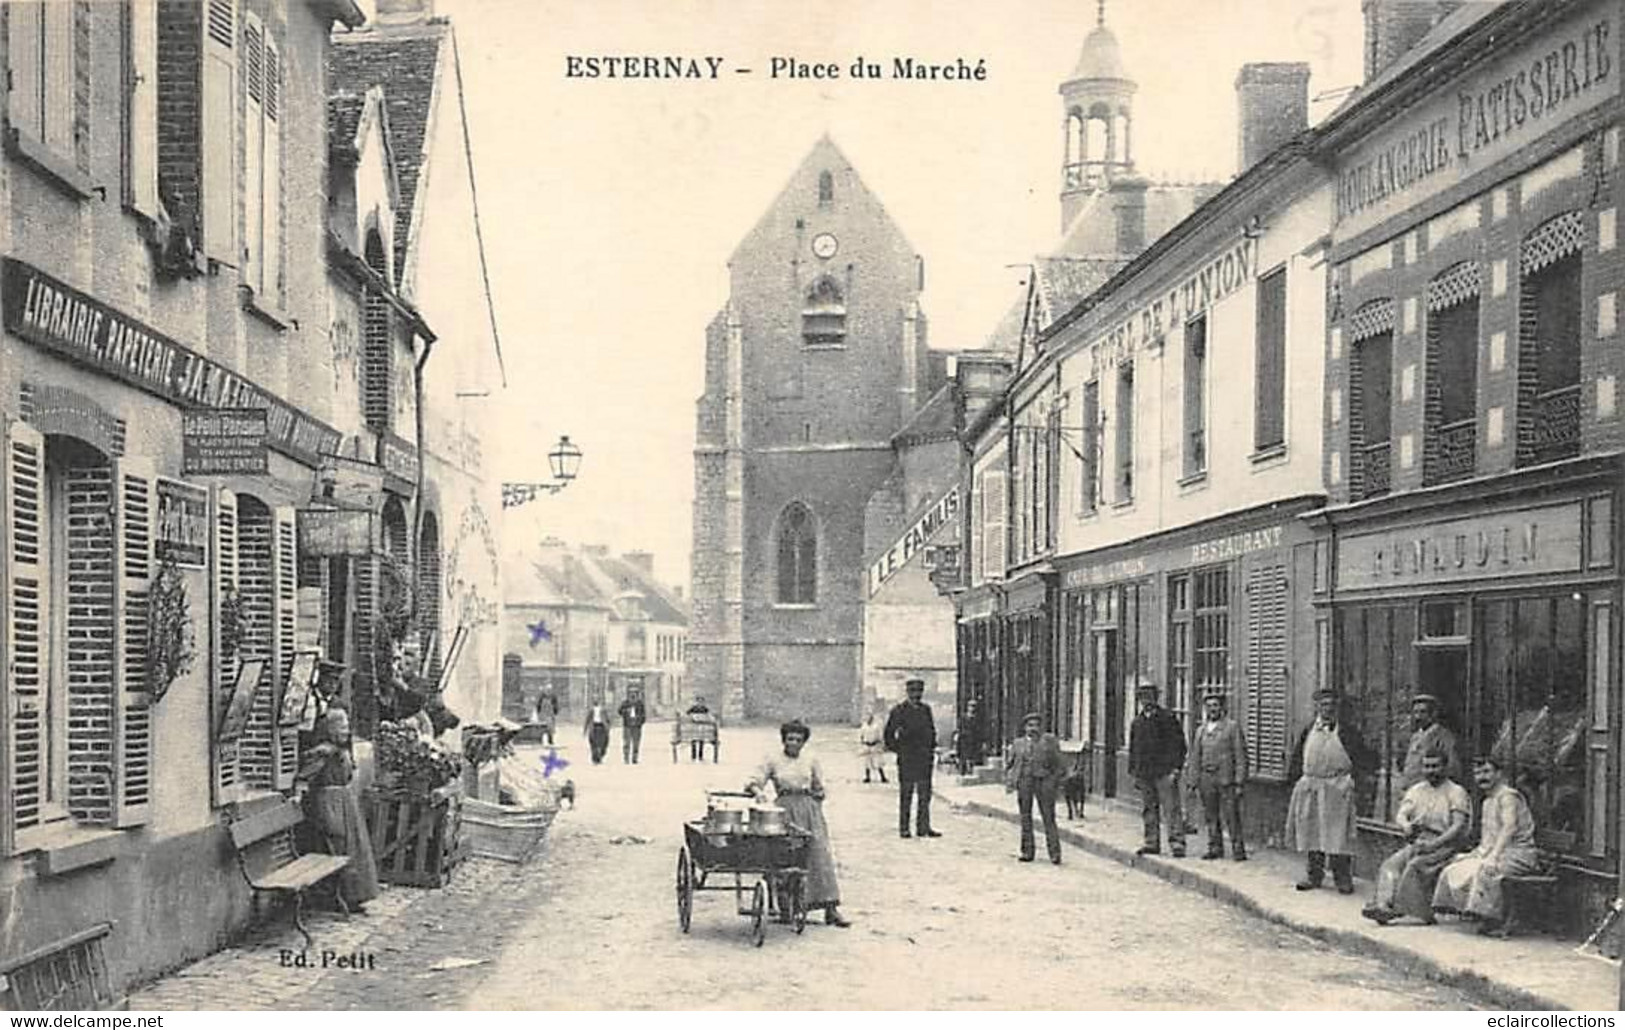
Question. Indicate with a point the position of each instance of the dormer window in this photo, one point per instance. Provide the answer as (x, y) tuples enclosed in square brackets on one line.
[(823, 318)]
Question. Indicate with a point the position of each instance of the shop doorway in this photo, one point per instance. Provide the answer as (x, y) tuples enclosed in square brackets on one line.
[(1105, 663), (1442, 670)]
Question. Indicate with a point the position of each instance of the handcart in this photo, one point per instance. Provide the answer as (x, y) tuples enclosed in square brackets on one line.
[(777, 862)]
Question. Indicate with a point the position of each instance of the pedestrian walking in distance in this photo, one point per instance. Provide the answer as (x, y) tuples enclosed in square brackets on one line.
[(547, 713), (798, 784), (1218, 763), (596, 730), (911, 734), (1329, 758), (1035, 774), (1156, 753), (870, 735), (633, 714), (1434, 816)]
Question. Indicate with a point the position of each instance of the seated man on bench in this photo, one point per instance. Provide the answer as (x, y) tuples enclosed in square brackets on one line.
[(1434, 815), (1472, 884)]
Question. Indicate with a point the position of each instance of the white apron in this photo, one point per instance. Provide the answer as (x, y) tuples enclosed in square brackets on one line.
[(1320, 816)]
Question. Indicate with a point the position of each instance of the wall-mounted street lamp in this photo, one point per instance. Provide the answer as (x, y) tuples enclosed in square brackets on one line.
[(565, 462)]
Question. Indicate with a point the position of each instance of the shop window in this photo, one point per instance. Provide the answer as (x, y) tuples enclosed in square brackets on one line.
[(823, 316), (1451, 372), (1195, 438), (1269, 417), (1371, 414), (1090, 474), (798, 557), (1125, 433), (1550, 326), (1376, 668), (1533, 711)]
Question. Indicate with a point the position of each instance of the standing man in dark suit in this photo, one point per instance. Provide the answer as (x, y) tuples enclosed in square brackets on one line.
[(1156, 753), (911, 734), (634, 713), (1035, 773)]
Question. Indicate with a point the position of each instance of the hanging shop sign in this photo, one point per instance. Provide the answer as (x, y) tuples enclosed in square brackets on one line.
[(1481, 120), (181, 526), (1524, 543), (913, 539), (53, 315), (335, 532), (399, 460), (224, 442)]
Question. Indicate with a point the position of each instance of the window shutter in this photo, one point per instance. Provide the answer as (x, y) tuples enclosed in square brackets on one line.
[(219, 138), (58, 101), (92, 641), (271, 203), (285, 579), (222, 583), (1269, 428), (25, 596), (255, 563), (133, 569), (994, 526), (25, 53), (1266, 668), (253, 150), (141, 139)]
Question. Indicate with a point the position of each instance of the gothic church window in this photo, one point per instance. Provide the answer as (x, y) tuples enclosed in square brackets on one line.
[(798, 557), (823, 318)]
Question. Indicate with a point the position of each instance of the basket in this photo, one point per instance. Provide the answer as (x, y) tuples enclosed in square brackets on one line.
[(504, 833), (416, 838)]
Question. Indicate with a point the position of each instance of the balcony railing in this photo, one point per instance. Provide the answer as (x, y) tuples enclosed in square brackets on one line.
[(1454, 452), (1554, 425), (1377, 470)]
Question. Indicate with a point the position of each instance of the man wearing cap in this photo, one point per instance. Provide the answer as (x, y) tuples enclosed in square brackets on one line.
[(911, 734), (1330, 755), (1156, 752), (1429, 735), (1218, 763), (1035, 773)]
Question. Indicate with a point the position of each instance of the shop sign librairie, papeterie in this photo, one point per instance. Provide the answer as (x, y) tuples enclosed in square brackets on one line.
[(224, 442), (51, 314)]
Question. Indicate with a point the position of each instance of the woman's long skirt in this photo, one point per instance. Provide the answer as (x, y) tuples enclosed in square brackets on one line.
[(336, 815), (806, 813)]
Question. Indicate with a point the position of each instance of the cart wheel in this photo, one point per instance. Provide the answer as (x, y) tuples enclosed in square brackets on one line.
[(685, 888), (758, 913), (798, 902)]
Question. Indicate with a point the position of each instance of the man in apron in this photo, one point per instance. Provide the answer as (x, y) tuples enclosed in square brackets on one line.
[(1329, 757)]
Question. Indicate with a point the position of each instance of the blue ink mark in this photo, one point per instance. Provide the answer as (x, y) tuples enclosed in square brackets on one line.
[(538, 632), (551, 763)]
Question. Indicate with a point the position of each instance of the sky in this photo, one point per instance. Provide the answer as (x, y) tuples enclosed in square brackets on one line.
[(610, 207)]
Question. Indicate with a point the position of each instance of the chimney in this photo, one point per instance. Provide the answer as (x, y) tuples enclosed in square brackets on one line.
[(643, 561), (1393, 27), (1272, 106), (1128, 205), (403, 12)]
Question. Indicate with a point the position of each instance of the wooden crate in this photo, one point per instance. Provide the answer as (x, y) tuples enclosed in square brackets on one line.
[(416, 840)]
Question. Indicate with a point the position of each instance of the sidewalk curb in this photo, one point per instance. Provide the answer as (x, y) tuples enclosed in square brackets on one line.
[(1499, 994)]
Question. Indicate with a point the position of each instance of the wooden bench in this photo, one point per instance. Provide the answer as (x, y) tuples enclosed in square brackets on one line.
[(271, 863), (1529, 897), (696, 729)]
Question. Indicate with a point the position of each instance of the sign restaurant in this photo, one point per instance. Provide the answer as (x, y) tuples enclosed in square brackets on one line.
[(913, 540), (48, 312)]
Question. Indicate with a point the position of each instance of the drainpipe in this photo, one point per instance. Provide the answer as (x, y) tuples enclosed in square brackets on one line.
[(417, 488)]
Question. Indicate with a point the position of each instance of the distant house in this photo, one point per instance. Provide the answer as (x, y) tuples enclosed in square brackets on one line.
[(586, 625)]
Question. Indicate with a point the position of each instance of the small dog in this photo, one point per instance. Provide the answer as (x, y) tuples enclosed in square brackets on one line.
[(1074, 786), (567, 794)]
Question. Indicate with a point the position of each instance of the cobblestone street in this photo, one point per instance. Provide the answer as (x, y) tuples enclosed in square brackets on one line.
[(591, 922)]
